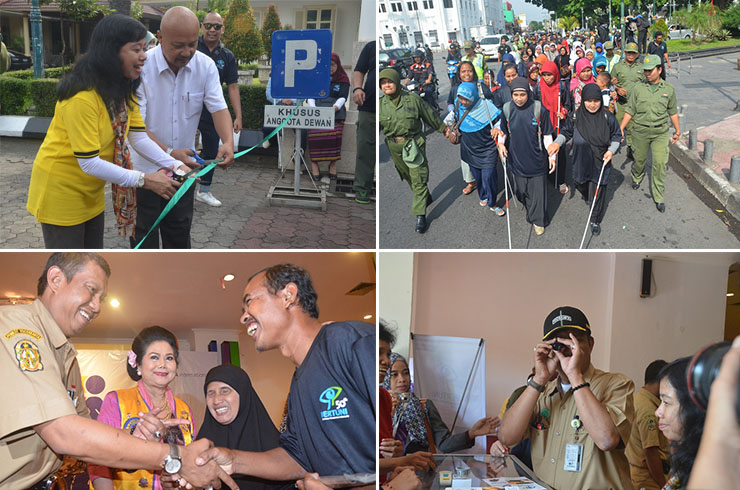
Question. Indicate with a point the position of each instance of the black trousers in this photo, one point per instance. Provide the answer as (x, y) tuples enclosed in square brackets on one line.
[(642, 41), (587, 190), (174, 229), (85, 235), (532, 192), (210, 144)]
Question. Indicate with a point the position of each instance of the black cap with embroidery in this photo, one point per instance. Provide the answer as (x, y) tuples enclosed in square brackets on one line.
[(565, 317)]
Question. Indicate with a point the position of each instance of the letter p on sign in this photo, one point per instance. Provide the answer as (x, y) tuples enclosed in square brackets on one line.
[(292, 64), (301, 64)]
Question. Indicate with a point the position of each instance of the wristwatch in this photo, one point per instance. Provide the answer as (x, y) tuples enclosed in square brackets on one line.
[(534, 384), (141, 181), (170, 150), (172, 462)]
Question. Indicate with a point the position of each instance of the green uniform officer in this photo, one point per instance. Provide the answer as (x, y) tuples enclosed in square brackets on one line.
[(401, 114), (650, 103), (628, 73)]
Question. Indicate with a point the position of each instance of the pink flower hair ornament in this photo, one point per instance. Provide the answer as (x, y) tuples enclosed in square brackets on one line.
[(132, 359)]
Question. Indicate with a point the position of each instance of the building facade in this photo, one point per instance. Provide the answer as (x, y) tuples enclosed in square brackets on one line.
[(408, 23)]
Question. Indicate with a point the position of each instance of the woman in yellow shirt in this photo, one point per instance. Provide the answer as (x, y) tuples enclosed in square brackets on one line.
[(86, 143)]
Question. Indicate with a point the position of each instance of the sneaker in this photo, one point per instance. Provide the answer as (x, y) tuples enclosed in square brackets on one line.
[(660, 206), (539, 230), (635, 185), (361, 198), (207, 198)]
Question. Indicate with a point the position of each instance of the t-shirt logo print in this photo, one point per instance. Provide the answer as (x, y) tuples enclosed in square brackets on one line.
[(335, 408)]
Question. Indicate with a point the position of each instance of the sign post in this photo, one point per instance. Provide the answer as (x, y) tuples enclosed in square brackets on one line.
[(301, 69)]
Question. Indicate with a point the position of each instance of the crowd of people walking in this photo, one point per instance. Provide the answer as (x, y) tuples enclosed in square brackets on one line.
[(558, 110)]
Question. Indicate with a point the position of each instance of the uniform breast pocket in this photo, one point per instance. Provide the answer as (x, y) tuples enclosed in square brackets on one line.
[(411, 113), (194, 103)]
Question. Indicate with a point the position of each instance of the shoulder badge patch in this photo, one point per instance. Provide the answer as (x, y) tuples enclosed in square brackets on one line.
[(651, 424), (28, 356), (23, 331)]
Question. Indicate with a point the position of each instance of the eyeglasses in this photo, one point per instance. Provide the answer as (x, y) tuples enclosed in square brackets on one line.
[(208, 26)]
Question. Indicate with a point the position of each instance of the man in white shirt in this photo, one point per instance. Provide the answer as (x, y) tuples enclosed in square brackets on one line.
[(176, 82)]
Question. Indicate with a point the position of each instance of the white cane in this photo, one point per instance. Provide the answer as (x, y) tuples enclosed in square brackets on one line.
[(506, 191), (557, 167), (596, 194)]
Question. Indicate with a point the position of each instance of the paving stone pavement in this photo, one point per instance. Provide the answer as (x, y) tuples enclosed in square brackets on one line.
[(245, 220)]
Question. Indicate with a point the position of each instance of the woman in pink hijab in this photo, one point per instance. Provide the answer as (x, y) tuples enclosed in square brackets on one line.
[(583, 74)]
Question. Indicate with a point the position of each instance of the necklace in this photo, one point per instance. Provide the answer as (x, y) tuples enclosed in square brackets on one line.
[(164, 412)]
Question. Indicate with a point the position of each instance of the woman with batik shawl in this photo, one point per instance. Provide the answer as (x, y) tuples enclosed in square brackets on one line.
[(86, 145)]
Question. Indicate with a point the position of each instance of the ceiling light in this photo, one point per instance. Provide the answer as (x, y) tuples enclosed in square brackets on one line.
[(730, 294), (115, 303), (229, 277), (367, 317)]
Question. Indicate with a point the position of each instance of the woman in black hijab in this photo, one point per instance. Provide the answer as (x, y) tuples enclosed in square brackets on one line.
[(237, 419), (596, 136)]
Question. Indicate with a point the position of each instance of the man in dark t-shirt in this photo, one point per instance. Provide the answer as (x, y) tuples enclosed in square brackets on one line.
[(209, 43), (660, 48), (364, 97), (503, 48), (330, 427)]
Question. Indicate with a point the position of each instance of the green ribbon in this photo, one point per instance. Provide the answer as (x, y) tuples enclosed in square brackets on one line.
[(189, 182)]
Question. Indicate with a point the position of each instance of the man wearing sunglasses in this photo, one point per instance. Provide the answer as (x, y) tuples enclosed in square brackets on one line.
[(210, 44)]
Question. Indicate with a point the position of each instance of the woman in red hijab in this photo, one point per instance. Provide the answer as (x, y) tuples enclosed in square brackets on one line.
[(557, 99), (325, 145)]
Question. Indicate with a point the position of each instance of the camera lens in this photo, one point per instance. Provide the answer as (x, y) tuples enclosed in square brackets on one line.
[(557, 346), (702, 370)]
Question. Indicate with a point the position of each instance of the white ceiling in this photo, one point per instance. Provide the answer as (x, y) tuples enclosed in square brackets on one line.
[(182, 290)]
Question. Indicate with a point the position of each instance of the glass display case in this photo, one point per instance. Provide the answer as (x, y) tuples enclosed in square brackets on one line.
[(480, 471)]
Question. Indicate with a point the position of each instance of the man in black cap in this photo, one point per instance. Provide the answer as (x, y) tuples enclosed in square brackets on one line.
[(580, 422)]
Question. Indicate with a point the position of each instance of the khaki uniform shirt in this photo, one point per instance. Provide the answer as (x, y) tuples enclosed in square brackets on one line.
[(650, 105), (404, 120), (645, 434), (628, 75), (41, 381), (550, 431)]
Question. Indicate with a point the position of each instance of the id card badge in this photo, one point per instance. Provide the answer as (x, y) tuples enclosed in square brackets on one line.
[(573, 457)]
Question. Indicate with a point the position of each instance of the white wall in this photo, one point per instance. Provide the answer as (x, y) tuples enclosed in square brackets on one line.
[(685, 311), (395, 276), (504, 298)]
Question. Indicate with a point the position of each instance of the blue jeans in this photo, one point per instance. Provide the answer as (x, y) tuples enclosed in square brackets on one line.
[(487, 181)]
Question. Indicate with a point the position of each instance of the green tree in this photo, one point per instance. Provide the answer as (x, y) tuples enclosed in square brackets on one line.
[(731, 20), (270, 25), (218, 6), (75, 11), (137, 10), (702, 19), (242, 36), (536, 25), (569, 23)]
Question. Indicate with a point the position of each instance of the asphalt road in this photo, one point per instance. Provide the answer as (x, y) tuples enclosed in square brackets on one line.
[(693, 219)]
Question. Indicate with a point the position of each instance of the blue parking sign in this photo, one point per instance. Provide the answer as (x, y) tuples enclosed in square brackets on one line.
[(301, 64)]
